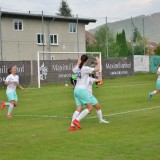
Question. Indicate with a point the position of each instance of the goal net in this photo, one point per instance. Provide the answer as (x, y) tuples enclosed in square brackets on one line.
[(56, 67)]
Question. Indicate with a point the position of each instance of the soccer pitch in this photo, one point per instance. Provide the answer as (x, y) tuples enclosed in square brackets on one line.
[(39, 127)]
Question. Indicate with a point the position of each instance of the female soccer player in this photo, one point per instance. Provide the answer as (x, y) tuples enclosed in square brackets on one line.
[(90, 82), (80, 92), (12, 81), (157, 91), (95, 102)]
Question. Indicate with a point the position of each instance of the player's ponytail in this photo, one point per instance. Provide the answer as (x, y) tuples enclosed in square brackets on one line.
[(84, 58), (9, 70)]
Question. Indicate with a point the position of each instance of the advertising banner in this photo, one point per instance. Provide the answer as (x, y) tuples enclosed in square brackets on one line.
[(56, 71), (117, 67), (154, 63), (141, 63), (52, 71), (23, 71)]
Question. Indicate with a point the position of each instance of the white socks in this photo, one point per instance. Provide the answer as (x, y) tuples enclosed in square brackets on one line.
[(154, 92), (75, 115), (7, 103), (99, 113), (82, 114), (11, 106)]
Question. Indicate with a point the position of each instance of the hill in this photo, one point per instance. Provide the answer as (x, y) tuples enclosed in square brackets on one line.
[(151, 26)]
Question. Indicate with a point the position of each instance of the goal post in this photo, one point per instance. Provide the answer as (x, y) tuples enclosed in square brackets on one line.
[(57, 66)]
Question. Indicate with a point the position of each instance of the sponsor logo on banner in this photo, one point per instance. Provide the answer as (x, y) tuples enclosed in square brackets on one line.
[(43, 72), (4, 71), (62, 67), (118, 68), (141, 63), (118, 65), (22, 66), (56, 71)]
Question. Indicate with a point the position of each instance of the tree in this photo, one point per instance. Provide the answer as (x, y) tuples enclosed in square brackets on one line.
[(122, 43), (64, 9), (138, 42), (136, 35), (100, 44)]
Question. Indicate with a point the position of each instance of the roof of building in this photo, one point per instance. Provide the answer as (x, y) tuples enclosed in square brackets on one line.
[(153, 45), (45, 17)]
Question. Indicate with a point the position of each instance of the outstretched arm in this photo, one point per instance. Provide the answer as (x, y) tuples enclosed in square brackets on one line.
[(21, 87)]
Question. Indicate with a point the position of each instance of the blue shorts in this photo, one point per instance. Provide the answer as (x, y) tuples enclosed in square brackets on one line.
[(158, 84), (93, 100), (12, 96), (81, 96)]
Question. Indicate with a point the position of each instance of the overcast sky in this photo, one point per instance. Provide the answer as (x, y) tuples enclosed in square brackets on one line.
[(114, 10)]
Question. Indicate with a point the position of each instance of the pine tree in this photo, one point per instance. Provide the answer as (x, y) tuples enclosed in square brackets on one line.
[(122, 43), (117, 38), (64, 9), (139, 42), (136, 35)]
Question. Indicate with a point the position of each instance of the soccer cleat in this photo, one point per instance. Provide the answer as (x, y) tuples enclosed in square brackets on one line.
[(77, 123), (72, 128), (9, 116), (2, 105), (150, 95), (103, 121)]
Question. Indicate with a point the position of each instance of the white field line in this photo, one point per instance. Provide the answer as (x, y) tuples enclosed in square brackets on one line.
[(121, 113), (107, 115)]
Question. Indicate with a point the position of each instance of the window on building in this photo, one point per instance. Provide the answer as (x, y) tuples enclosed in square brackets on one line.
[(72, 27), (40, 39), (18, 24), (54, 39)]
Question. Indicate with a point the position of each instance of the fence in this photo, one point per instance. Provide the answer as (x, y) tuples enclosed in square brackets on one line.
[(59, 71)]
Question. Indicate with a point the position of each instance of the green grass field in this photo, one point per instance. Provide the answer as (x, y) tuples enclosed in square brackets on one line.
[(39, 127)]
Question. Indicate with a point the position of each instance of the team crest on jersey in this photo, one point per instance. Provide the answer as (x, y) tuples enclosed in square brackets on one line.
[(43, 72)]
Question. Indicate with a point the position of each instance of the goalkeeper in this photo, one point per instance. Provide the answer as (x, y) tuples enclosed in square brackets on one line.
[(73, 79)]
